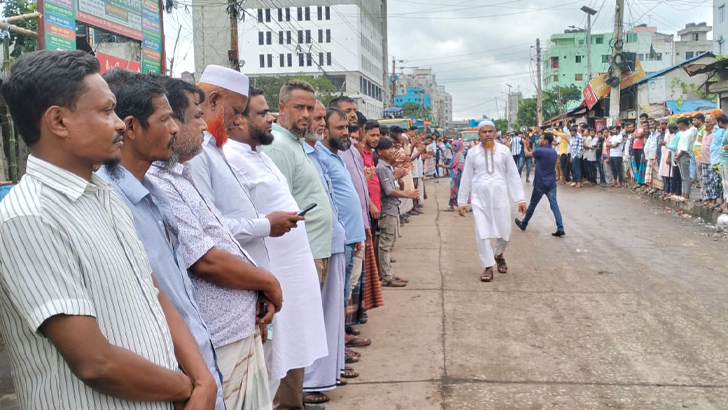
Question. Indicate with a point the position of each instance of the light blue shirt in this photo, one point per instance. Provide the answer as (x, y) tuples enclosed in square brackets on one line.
[(715, 146), (147, 204), (345, 197), (321, 162)]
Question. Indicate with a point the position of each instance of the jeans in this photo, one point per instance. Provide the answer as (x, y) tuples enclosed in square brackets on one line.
[(349, 251), (529, 161), (684, 163), (576, 169), (520, 163), (591, 167), (536, 196), (616, 163)]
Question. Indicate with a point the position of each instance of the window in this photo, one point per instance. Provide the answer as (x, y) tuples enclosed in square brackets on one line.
[(578, 59), (327, 9), (280, 37), (288, 14), (321, 36), (319, 13), (658, 57), (328, 35), (300, 59), (721, 13), (288, 37), (308, 36), (309, 60), (696, 37), (260, 15), (261, 38), (578, 77), (267, 15), (581, 42), (299, 14), (328, 58), (268, 37), (631, 37), (262, 61), (282, 60), (308, 13), (280, 14), (688, 54), (556, 78), (300, 36), (321, 59), (598, 40), (606, 58), (290, 59), (554, 62)]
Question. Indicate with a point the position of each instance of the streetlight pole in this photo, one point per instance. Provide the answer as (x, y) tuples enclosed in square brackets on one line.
[(589, 13), (508, 106)]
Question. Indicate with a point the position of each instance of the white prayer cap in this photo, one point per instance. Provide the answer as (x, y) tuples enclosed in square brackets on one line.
[(485, 123), (226, 78)]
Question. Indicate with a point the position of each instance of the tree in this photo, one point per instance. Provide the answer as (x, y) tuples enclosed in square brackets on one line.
[(412, 109), (20, 44), (501, 125), (271, 87), (558, 99), (526, 113)]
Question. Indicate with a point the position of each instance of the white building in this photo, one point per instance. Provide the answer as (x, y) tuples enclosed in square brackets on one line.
[(720, 27), (423, 81), (342, 40)]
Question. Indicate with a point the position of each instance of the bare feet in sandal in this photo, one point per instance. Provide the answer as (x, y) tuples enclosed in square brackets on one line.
[(500, 260), (315, 398), (487, 276)]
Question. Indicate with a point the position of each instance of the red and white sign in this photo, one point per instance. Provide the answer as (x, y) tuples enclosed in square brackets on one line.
[(108, 62)]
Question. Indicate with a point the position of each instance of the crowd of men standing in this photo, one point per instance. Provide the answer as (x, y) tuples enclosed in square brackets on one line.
[(173, 245)]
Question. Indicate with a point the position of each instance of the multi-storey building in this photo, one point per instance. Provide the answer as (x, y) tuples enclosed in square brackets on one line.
[(720, 27), (420, 86), (343, 40)]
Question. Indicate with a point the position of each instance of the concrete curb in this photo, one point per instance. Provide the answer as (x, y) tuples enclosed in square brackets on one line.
[(686, 207)]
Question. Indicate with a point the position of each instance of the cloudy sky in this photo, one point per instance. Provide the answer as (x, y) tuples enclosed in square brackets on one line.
[(476, 47)]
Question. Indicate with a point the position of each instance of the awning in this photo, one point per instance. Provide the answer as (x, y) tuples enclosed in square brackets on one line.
[(690, 106)]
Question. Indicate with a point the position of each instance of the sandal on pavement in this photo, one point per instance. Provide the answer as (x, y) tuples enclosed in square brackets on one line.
[(501, 262), (398, 279), (349, 373), (353, 352), (487, 276), (392, 283), (315, 398), (342, 382), (359, 342), (351, 330), (349, 358)]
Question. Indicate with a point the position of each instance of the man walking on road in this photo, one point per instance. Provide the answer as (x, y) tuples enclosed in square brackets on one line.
[(544, 182), (489, 175)]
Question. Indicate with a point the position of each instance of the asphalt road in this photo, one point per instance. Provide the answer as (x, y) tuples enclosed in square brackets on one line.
[(628, 311)]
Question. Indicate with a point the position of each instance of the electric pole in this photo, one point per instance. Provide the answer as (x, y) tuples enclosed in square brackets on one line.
[(508, 106), (589, 13), (394, 72), (233, 53), (615, 96), (539, 98)]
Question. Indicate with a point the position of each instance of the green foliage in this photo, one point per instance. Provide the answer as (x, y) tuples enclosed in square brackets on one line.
[(526, 115), (20, 44), (411, 109), (271, 86), (558, 99), (501, 125), (701, 92)]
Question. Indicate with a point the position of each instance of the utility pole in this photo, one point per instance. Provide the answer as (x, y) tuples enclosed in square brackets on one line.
[(539, 97), (233, 53), (615, 96), (589, 13), (508, 106), (394, 72)]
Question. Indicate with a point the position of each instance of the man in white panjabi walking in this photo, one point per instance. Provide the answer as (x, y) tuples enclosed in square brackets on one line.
[(489, 176)]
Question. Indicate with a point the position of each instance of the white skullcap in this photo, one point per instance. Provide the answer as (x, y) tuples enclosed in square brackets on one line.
[(226, 78), (485, 123)]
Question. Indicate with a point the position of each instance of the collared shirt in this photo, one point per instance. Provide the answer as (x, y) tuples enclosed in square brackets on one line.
[(705, 146), (287, 153), (321, 161), (516, 146), (616, 152), (215, 179), (345, 197), (390, 204), (687, 140), (355, 164), (147, 204), (228, 313), (68, 247), (577, 146), (715, 147), (651, 145), (375, 191)]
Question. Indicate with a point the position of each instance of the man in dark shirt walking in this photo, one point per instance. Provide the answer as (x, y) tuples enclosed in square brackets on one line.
[(544, 182)]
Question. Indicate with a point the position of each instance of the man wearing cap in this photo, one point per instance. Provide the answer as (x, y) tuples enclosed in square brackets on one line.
[(488, 177)]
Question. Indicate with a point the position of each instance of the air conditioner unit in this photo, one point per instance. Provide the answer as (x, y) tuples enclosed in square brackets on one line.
[(631, 114)]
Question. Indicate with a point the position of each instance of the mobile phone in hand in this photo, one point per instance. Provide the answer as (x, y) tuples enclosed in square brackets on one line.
[(305, 210)]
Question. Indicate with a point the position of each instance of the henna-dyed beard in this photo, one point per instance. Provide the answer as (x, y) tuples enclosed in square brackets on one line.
[(216, 127), (488, 144)]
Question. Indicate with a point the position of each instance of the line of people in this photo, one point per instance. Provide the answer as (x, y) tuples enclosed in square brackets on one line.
[(171, 246)]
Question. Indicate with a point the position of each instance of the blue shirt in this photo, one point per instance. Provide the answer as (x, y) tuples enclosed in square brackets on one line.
[(715, 146), (321, 162), (577, 146), (345, 197), (544, 177), (147, 204)]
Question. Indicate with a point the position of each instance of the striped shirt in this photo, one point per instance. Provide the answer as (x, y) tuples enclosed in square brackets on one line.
[(68, 246)]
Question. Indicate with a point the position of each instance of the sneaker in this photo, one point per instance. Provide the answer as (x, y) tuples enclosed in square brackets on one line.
[(558, 234), (519, 224), (414, 212), (528, 181)]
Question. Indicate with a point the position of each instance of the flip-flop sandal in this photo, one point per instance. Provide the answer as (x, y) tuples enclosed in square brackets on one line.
[(342, 382), (359, 342), (353, 352), (350, 330), (393, 284), (349, 373), (318, 398), (398, 279), (501, 262), (487, 276), (351, 358)]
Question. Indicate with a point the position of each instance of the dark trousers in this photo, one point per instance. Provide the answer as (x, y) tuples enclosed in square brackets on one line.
[(576, 169), (536, 196), (565, 168), (591, 167), (616, 164)]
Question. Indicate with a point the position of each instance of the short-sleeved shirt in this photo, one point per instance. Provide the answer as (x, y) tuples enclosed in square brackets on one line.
[(577, 146), (68, 247), (687, 141), (544, 176), (228, 313), (715, 147), (288, 154), (390, 204), (616, 152), (375, 191), (147, 204)]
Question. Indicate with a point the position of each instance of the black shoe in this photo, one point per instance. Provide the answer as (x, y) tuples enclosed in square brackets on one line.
[(559, 233), (519, 224)]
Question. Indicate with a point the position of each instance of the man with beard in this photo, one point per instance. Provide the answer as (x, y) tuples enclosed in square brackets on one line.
[(296, 105), (299, 333), (149, 136), (234, 295), (82, 320), (488, 177)]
